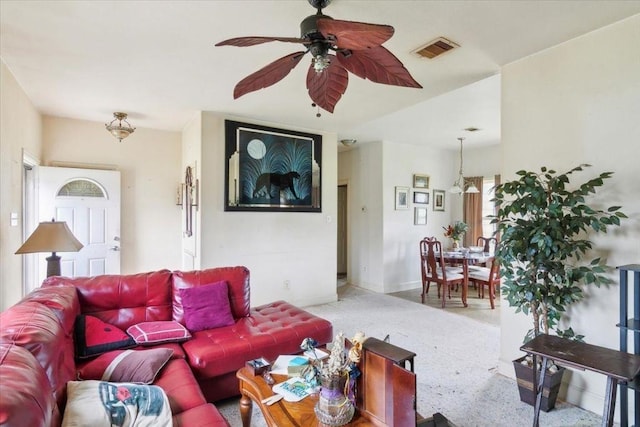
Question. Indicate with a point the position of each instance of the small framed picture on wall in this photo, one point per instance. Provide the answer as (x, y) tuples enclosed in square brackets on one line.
[(402, 198), (438, 200), (420, 198), (420, 216), (420, 181)]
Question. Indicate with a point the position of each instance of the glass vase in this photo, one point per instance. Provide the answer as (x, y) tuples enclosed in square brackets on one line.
[(333, 407)]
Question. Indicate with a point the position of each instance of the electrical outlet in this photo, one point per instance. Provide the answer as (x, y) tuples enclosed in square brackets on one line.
[(286, 284)]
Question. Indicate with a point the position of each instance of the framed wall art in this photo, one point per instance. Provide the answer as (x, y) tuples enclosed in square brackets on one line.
[(420, 181), (420, 216), (438, 200), (402, 198), (269, 169), (421, 197)]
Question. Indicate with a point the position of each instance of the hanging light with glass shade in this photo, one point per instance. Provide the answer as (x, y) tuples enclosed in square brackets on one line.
[(117, 128), (459, 185)]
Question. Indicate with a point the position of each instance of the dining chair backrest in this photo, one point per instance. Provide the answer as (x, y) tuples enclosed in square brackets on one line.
[(488, 243), (494, 272), (423, 258), (432, 259)]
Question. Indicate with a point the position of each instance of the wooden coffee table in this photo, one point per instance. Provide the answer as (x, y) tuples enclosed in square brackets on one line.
[(282, 413)]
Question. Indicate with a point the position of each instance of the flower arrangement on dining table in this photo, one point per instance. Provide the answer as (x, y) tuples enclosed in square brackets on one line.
[(456, 230)]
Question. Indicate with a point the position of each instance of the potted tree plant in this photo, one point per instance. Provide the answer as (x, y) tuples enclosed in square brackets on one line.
[(544, 225)]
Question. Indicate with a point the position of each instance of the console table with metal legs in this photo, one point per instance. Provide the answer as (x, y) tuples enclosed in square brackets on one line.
[(618, 366)]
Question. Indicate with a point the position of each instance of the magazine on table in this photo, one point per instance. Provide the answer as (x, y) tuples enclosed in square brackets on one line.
[(294, 389)]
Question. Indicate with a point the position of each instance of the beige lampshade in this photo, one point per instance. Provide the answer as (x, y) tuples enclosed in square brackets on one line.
[(53, 236)]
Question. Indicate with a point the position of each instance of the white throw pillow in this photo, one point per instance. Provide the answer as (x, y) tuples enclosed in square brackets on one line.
[(101, 403)]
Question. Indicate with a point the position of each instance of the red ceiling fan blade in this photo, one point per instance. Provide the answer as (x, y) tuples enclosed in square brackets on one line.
[(326, 88), (268, 75), (378, 65), (254, 40), (354, 35)]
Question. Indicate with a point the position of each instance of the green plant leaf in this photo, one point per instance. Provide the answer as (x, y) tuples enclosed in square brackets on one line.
[(546, 224)]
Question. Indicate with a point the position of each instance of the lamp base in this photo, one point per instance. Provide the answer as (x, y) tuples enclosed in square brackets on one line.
[(53, 265)]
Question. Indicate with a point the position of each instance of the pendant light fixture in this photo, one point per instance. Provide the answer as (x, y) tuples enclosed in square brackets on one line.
[(459, 185), (117, 129)]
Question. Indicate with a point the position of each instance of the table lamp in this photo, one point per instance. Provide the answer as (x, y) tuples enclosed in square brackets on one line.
[(51, 237)]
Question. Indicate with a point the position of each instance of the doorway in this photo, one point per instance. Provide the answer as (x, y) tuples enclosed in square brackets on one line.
[(29, 223), (88, 200), (342, 235)]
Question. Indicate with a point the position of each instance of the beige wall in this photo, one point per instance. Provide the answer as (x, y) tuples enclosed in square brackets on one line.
[(580, 103), (20, 130), (277, 247), (192, 156), (400, 252), (149, 163), (360, 168), (383, 253)]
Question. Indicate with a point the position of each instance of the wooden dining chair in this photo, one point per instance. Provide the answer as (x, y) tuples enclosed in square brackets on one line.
[(486, 277), (434, 269), (424, 268), (488, 243)]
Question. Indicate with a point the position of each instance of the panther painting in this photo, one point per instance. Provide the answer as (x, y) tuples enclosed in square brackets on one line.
[(282, 181), (272, 169)]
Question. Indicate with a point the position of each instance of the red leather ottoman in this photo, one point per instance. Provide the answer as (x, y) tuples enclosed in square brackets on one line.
[(270, 330)]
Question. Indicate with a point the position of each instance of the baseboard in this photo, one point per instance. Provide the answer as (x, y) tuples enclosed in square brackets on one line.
[(506, 368), (316, 300), (399, 287)]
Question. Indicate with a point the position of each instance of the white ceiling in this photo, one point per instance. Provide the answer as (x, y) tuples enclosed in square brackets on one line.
[(156, 60)]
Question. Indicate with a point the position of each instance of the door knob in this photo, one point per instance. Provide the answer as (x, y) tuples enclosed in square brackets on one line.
[(114, 248)]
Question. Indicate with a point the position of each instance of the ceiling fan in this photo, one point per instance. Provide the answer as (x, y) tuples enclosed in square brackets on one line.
[(358, 49)]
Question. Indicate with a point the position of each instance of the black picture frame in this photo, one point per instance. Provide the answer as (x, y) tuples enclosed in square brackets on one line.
[(269, 169), (420, 197), (438, 200)]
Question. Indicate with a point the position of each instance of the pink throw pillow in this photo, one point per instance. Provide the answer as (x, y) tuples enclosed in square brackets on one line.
[(159, 331), (126, 366), (207, 306)]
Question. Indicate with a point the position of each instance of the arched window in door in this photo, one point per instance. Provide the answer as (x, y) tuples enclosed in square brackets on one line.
[(82, 188)]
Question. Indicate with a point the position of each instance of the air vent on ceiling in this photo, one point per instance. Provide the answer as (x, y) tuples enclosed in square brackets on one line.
[(435, 48)]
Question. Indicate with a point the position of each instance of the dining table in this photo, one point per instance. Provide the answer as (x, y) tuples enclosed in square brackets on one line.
[(466, 257)]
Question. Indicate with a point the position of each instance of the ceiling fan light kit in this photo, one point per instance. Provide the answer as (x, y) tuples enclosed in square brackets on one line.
[(358, 50)]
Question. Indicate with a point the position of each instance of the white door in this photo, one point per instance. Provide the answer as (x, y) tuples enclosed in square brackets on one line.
[(89, 201)]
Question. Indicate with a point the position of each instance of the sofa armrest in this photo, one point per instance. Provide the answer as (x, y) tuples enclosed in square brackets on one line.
[(27, 398)]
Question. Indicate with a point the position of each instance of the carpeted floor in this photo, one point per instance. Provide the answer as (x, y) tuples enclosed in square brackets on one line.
[(455, 363), (478, 308)]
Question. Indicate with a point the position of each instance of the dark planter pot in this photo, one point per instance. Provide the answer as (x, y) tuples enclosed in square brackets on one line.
[(552, 382)]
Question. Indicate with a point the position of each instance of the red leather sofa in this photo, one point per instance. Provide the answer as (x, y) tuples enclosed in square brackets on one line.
[(37, 349)]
